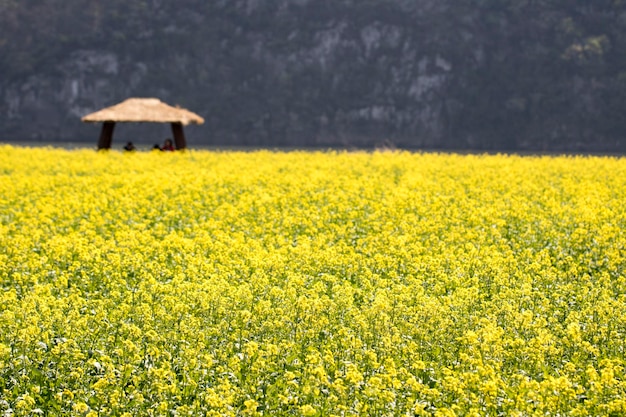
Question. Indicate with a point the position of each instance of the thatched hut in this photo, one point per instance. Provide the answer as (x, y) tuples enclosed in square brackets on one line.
[(141, 110)]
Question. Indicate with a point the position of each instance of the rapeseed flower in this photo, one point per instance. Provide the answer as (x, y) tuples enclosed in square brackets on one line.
[(311, 283)]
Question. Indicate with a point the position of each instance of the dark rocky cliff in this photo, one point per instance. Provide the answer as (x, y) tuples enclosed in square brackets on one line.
[(422, 73)]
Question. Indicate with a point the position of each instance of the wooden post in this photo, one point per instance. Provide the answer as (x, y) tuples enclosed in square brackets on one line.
[(106, 135), (179, 136)]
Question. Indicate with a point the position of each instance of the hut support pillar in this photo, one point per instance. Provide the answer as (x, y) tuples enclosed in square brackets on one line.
[(179, 136), (106, 135)]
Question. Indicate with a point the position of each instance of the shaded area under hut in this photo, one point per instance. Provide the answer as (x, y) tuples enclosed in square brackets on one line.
[(142, 110)]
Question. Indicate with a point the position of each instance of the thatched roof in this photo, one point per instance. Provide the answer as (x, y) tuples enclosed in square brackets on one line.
[(144, 110)]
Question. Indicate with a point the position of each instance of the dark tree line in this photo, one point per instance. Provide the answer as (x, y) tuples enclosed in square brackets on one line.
[(484, 74)]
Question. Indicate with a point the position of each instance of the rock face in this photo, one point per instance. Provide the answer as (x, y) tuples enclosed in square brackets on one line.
[(419, 73), (47, 106)]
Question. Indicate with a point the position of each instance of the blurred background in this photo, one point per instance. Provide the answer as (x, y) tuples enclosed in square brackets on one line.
[(500, 75)]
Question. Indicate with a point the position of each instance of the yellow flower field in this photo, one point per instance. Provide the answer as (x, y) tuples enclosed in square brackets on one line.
[(311, 283)]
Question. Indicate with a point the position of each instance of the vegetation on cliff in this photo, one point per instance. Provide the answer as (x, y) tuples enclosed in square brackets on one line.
[(454, 73)]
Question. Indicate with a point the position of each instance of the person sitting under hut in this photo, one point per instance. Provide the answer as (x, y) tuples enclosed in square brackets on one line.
[(168, 145), (130, 147)]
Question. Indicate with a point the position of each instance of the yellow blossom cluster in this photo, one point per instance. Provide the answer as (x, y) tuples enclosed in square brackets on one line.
[(311, 283)]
